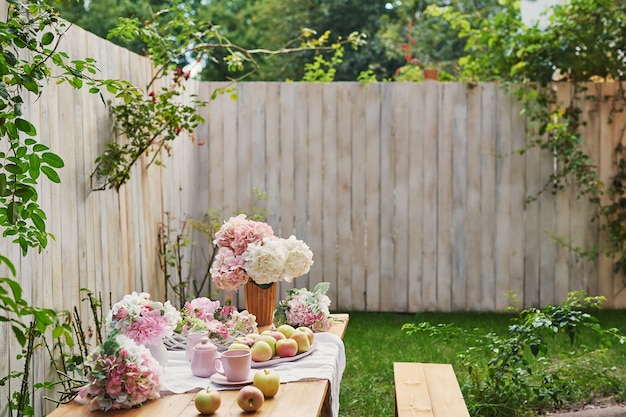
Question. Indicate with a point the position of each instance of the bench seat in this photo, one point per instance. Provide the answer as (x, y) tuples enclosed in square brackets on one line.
[(427, 390)]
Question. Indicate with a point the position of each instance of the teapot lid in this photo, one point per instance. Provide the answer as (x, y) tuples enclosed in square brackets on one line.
[(205, 344)]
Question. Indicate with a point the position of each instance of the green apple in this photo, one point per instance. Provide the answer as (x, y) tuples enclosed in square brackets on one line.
[(250, 398), (207, 401), (286, 329), (270, 341), (303, 341), (261, 351), (268, 381), (308, 332), (238, 346)]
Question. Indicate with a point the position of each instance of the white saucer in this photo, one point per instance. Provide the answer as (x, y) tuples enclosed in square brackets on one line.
[(221, 379)]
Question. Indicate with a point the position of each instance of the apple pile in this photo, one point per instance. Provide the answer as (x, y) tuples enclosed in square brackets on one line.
[(284, 342)]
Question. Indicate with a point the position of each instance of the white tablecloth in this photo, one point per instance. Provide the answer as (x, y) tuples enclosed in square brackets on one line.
[(328, 361)]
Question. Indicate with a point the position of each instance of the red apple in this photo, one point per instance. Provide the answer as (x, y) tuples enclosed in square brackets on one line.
[(286, 348), (207, 401), (303, 341), (250, 398), (308, 332), (267, 381)]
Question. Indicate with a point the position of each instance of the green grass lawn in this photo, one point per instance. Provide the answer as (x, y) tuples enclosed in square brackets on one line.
[(373, 341)]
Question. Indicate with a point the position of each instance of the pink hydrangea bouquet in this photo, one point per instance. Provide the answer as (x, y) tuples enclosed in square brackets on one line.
[(304, 308), (248, 250), (121, 374), (221, 322), (142, 319)]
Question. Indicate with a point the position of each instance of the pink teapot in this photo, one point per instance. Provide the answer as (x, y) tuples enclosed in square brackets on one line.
[(204, 353)]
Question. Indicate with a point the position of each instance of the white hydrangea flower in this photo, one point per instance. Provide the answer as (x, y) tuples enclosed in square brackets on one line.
[(299, 258), (265, 261)]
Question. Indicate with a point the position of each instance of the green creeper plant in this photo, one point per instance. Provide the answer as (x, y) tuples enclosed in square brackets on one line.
[(29, 45), (580, 44), (516, 379), (151, 121), (29, 325), (29, 51)]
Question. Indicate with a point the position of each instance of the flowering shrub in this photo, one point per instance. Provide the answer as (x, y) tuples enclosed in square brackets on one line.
[(249, 250), (142, 319), (203, 314), (121, 374), (305, 308)]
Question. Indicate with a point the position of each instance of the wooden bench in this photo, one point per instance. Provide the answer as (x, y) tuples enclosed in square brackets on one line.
[(427, 390)]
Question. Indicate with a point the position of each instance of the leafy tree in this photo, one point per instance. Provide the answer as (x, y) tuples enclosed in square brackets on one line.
[(253, 24), (413, 36), (100, 16)]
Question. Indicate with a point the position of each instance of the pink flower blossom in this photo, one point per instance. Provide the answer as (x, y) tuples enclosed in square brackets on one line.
[(144, 320), (203, 308), (228, 270), (248, 250), (121, 375)]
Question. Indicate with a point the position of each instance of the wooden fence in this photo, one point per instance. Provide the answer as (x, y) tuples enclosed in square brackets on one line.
[(411, 195)]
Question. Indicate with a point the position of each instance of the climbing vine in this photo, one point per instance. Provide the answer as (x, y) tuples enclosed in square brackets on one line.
[(174, 41), (580, 44), (29, 50)]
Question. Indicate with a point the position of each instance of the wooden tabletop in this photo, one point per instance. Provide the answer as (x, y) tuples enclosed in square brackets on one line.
[(302, 399)]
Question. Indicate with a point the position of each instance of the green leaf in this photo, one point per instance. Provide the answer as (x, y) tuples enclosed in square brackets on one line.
[(40, 147), (51, 174), (9, 264), (25, 126), (3, 185), (52, 159), (38, 222), (19, 335), (47, 38), (76, 82), (534, 348), (25, 193), (34, 167), (10, 58), (15, 286), (13, 169), (12, 212)]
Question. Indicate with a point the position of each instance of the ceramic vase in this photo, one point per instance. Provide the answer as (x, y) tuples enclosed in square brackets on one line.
[(261, 302)]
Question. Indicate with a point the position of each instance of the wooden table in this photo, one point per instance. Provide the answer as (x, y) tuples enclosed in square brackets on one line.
[(302, 399)]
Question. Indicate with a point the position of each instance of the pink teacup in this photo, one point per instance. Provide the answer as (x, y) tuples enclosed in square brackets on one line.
[(234, 365)]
